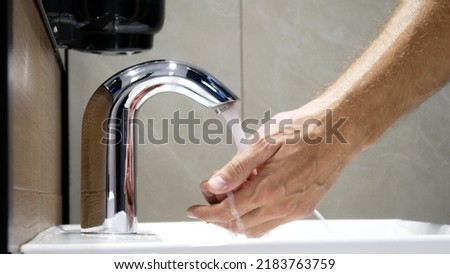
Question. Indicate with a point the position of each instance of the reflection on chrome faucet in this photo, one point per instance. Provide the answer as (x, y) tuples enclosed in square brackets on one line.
[(108, 198)]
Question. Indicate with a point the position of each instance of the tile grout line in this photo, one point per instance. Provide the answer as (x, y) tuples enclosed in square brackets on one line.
[(241, 52)]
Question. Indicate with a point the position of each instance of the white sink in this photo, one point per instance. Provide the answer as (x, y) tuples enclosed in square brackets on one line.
[(305, 236)]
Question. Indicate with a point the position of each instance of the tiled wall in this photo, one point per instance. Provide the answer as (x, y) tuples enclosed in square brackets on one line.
[(35, 126), (276, 55)]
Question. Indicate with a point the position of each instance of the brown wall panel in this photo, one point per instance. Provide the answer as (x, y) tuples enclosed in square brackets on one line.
[(35, 127)]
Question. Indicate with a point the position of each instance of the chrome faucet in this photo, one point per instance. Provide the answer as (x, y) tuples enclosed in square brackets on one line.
[(108, 198)]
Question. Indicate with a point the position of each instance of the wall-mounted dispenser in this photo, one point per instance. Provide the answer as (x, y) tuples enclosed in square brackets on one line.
[(104, 26)]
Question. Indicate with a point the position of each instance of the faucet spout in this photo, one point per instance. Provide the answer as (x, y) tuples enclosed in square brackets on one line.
[(108, 198)]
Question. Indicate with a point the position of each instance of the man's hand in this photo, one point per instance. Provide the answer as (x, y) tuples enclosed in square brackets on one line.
[(281, 177)]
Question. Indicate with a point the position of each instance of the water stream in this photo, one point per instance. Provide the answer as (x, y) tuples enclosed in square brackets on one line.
[(232, 117)]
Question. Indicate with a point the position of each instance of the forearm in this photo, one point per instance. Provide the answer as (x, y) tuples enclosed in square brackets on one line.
[(407, 63)]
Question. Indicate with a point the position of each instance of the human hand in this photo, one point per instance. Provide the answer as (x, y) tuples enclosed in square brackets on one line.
[(281, 177)]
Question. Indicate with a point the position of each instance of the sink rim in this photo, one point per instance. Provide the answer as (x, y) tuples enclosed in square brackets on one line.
[(412, 243)]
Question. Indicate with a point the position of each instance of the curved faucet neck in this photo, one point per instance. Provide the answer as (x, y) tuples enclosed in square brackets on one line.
[(108, 197)]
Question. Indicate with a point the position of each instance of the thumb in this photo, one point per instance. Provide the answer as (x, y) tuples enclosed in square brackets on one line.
[(235, 172)]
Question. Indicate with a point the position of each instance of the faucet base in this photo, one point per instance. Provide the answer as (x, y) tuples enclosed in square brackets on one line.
[(115, 225)]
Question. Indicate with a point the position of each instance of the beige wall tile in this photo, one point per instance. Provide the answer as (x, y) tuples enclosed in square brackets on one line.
[(26, 218), (50, 210), (36, 111), (32, 213), (35, 132), (405, 175), (293, 49)]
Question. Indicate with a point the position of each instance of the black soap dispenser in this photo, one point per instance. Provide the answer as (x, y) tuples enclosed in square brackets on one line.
[(104, 26)]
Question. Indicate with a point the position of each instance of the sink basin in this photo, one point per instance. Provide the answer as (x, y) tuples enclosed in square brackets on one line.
[(303, 236)]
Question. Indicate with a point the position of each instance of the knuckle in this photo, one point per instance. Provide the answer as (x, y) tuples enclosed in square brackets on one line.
[(304, 212), (268, 142), (262, 197), (287, 208), (236, 169), (266, 193)]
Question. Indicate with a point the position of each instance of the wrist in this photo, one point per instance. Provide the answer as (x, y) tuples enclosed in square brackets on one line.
[(347, 125), (366, 111)]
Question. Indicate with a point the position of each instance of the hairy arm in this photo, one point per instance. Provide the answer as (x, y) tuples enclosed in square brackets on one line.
[(406, 64)]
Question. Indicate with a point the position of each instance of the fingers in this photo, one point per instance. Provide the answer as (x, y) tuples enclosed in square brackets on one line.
[(257, 231), (214, 213), (261, 220), (262, 206), (235, 172), (210, 197), (246, 199), (221, 212), (262, 229)]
